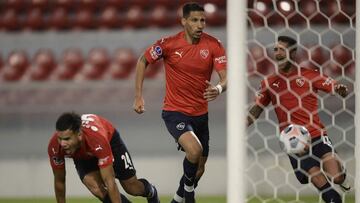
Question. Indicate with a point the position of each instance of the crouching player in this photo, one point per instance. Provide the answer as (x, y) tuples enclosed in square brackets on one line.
[(99, 155)]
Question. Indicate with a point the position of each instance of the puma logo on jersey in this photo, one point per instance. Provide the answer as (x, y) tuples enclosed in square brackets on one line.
[(276, 84), (179, 53), (98, 148)]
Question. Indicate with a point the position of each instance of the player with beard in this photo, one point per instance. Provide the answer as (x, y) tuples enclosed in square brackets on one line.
[(292, 90), (190, 58)]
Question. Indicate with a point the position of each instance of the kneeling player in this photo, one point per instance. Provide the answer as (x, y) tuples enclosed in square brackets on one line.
[(99, 156)]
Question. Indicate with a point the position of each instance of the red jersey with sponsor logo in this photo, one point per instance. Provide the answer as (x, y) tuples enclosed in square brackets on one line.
[(96, 135), (294, 97), (187, 67)]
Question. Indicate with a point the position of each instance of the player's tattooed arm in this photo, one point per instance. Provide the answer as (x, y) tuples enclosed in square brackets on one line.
[(341, 89), (254, 114)]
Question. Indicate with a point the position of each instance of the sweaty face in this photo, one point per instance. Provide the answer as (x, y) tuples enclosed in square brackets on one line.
[(194, 24), (69, 141), (282, 54)]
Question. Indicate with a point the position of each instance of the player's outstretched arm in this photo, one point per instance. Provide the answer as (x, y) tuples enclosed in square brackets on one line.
[(108, 176), (254, 114), (341, 89), (59, 185), (139, 103), (212, 91)]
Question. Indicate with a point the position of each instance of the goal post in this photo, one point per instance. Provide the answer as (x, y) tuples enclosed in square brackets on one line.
[(236, 103)]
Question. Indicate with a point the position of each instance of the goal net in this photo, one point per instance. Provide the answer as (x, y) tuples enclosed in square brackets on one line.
[(325, 32)]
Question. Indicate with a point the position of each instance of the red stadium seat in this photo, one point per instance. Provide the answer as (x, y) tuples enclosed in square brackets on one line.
[(160, 16), (109, 18), (319, 55), (123, 63), (72, 62), (84, 19), (341, 54), (307, 7), (214, 16), (296, 20), (44, 63), (319, 18), (98, 62), (140, 3), (40, 4), (256, 19), (15, 4), (265, 67), (134, 18), (67, 4), (285, 7), (119, 4), (16, 65), (59, 19), (219, 3), (264, 7), (332, 69), (89, 4), (168, 4), (34, 19), (276, 19), (10, 20), (329, 7)]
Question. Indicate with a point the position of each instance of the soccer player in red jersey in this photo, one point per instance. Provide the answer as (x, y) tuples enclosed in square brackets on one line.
[(293, 93), (190, 57), (99, 156)]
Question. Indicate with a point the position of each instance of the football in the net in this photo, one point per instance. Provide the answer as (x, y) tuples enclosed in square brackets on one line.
[(295, 139)]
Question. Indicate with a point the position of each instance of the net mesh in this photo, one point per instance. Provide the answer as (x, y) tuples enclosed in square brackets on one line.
[(325, 32)]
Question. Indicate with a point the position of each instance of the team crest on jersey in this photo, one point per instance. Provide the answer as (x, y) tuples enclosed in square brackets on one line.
[(204, 53), (180, 126), (300, 82)]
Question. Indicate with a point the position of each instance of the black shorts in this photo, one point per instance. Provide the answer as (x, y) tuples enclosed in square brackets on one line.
[(302, 164), (178, 123), (123, 165)]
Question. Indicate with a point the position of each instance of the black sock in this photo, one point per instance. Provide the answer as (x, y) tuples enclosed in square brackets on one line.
[(148, 188), (329, 195), (123, 199), (180, 190), (189, 172)]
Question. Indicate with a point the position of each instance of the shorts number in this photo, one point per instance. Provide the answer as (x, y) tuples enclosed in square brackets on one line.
[(127, 161), (326, 141)]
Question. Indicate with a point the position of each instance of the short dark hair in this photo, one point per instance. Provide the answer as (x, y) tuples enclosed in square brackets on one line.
[(69, 121), (291, 42), (191, 6)]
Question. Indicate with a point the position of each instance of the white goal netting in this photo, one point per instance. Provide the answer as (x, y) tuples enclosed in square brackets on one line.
[(325, 32)]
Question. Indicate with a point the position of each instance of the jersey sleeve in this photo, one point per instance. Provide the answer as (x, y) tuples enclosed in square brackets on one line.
[(262, 96), (56, 158), (219, 57), (323, 83), (99, 146), (155, 51)]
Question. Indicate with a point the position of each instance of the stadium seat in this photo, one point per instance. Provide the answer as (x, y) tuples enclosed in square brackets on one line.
[(71, 63), (319, 18), (84, 19), (97, 63), (285, 7), (16, 5), (171, 5), (265, 67), (16, 65), (341, 54), (214, 16), (122, 64), (34, 19), (119, 4), (276, 19), (109, 18), (44, 63), (329, 7), (88, 4), (59, 19), (307, 7), (255, 18), (10, 20), (160, 16), (39, 4), (143, 4), (134, 18), (296, 20), (319, 55), (263, 7)]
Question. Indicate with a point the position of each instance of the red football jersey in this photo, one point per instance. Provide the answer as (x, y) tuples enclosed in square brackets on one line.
[(294, 97), (96, 135), (187, 67)]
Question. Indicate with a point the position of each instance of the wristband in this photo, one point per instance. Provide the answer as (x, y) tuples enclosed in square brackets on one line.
[(219, 88)]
